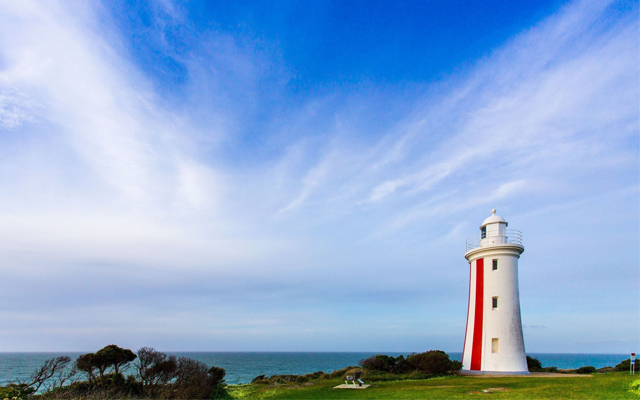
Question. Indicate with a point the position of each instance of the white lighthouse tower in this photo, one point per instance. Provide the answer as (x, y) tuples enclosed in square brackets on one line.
[(493, 341)]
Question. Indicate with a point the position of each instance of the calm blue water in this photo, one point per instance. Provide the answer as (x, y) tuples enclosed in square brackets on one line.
[(242, 367)]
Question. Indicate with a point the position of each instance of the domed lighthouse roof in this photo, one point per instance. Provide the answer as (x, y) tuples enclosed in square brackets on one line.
[(494, 219)]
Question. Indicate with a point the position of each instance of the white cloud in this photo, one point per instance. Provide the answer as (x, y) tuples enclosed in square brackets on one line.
[(98, 173)]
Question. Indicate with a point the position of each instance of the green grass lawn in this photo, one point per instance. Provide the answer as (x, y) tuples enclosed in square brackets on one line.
[(597, 386)]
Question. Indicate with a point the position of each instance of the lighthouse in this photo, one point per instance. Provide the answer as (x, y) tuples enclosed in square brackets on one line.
[(493, 341)]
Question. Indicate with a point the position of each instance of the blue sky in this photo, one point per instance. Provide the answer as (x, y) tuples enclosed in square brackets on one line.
[(290, 176)]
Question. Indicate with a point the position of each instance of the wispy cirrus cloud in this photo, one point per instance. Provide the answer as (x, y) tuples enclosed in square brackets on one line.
[(227, 187), (538, 96)]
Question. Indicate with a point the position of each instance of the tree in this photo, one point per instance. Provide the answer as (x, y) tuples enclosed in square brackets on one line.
[(216, 376), (533, 364), (155, 367), (98, 362), (194, 380), (110, 356), (53, 367), (116, 357), (85, 363)]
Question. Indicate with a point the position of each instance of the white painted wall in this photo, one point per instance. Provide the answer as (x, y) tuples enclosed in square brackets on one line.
[(504, 322)]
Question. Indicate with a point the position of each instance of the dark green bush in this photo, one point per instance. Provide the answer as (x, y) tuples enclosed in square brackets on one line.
[(108, 386), (435, 362), (216, 376), (401, 366), (533, 364), (586, 370), (316, 375), (624, 365), (279, 379), (219, 392), (16, 391), (379, 362), (549, 369), (285, 379), (384, 363)]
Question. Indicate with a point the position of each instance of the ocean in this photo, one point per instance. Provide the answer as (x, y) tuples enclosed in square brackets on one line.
[(242, 367)]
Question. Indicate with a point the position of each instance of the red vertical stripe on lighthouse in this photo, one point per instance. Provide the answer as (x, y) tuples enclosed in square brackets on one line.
[(476, 350)]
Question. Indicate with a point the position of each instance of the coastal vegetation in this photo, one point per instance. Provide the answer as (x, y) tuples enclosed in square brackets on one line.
[(377, 368), (432, 363), (433, 375), (111, 373), (114, 372)]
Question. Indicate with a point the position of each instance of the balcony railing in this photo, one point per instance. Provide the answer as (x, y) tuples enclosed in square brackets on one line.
[(507, 236)]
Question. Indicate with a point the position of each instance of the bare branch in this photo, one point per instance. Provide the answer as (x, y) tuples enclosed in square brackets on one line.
[(50, 368)]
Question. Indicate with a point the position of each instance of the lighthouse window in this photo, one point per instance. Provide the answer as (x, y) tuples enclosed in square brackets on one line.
[(495, 345), (494, 301), (483, 232), (495, 265)]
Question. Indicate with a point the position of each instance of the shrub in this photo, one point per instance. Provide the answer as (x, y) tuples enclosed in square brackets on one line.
[(219, 392), (549, 369), (353, 370), (13, 391), (586, 370), (533, 364), (624, 365), (192, 380), (379, 362), (216, 376), (108, 386), (401, 366), (435, 362), (159, 376), (155, 368), (340, 373), (318, 375), (634, 387), (284, 379)]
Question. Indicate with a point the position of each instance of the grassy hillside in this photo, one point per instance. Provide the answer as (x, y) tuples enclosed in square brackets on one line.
[(597, 386)]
